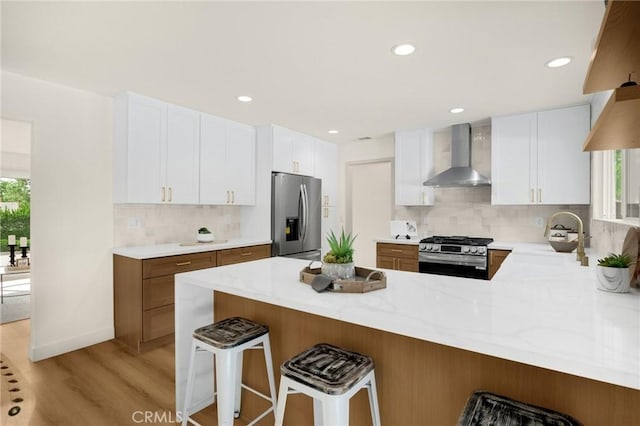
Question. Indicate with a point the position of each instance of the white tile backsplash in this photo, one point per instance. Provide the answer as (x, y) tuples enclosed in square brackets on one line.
[(160, 224), (468, 211)]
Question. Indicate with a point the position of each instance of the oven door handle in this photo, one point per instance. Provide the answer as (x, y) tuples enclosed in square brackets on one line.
[(479, 262)]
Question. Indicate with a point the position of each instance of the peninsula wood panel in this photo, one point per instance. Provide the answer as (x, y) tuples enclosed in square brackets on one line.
[(419, 383), (496, 257)]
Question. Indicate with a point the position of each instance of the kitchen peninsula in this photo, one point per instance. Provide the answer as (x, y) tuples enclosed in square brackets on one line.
[(538, 332)]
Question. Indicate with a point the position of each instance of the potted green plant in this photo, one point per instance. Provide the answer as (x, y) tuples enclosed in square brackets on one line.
[(204, 235), (613, 273), (338, 261)]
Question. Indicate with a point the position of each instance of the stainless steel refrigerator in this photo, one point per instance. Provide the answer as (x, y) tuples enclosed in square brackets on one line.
[(295, 216)]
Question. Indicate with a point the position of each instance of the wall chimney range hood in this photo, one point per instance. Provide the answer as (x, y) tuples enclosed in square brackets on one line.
[(460, 174)]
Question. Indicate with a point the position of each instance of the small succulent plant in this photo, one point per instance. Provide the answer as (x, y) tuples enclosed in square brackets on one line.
[(203, 231), (341, 249), (615, 261)]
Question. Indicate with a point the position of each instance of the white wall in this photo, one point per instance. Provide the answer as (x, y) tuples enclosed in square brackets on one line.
[(71, 212)]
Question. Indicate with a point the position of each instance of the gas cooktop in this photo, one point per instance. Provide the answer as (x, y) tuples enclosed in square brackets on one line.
[(461, 240)]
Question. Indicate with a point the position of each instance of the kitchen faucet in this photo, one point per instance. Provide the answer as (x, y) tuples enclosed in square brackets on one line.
[(584, 260)]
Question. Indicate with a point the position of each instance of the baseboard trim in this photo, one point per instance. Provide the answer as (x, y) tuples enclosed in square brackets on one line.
[(38, 353)]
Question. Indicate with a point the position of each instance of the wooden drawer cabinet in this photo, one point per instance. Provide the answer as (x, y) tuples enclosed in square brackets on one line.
[(401, 257), (496, 257), (144, 291), (157, 323), (170, 265), (157, 292), (243, 254)]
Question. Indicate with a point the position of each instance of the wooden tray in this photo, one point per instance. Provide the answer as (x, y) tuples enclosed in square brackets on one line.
[(366, 280)]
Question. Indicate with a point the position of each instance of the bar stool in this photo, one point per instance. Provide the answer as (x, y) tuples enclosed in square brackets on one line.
[(485, 408), (331, 376), (227, 339)]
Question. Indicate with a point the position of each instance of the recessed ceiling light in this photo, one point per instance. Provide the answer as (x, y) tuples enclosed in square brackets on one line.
[(558, 62), (244, 98), (403, 49), (333, 132), (456, 110)]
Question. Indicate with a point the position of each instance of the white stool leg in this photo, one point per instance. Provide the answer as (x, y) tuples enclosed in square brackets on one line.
[(227, 369), (282, 400), (238, 397), (266, 346), (335, 411), (190, 379), (317, 412), (373, 400)]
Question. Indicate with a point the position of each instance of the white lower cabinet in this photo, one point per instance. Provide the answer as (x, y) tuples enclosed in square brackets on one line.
[(413, 165), (227, 162), (537, 158)]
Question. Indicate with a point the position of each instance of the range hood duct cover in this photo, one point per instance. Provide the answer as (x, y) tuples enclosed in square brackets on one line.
[(460, 174)]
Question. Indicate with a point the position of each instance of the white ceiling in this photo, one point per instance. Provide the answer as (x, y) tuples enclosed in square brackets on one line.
[(313, 66)]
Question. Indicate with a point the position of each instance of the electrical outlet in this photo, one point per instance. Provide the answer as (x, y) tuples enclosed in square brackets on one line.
[(539, 222)]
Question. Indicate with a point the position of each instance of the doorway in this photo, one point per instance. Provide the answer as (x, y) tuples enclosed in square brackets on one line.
[(15, 221), (369, 204)]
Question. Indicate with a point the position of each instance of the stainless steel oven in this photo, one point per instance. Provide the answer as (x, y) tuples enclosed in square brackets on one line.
[(455, 256)]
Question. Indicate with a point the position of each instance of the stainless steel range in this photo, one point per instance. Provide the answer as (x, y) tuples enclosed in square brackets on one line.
[(455, 255)]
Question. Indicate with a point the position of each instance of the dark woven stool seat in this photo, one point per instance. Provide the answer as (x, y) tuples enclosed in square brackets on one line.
[(487, 409), (230, 332), (327, 368)]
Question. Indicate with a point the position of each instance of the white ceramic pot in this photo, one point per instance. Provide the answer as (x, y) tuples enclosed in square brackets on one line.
[(615, 280), (205, 238), (339, 270)]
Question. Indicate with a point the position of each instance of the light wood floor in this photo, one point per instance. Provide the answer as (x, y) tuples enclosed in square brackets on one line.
[(104, 384)]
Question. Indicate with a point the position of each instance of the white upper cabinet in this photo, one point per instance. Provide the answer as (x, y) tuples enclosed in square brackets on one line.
[(155, 152), (514, 159), (181, 157), (327, 169), (227, 162), (537, 158), (413, 165), (292, 152)]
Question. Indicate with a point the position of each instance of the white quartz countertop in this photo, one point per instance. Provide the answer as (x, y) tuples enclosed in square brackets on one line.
[(172, 249), (541, 308)]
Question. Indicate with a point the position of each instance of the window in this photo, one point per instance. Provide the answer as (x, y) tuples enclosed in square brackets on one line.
[(627, 183)]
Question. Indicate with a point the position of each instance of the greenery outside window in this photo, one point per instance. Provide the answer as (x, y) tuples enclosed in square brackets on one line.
[(15, 210)]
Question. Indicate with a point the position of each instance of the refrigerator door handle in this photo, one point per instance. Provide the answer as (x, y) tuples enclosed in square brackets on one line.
[(305, 211)]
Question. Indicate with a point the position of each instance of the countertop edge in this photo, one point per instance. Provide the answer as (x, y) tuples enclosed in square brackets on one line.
[(174, 249)]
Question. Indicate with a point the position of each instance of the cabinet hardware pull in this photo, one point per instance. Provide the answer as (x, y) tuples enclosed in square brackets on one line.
[(170, 194), (183, 263), (233, 197), (539, 195), (163, 194), (246, 254), (396, 250), (532, 193), (227, 197)]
